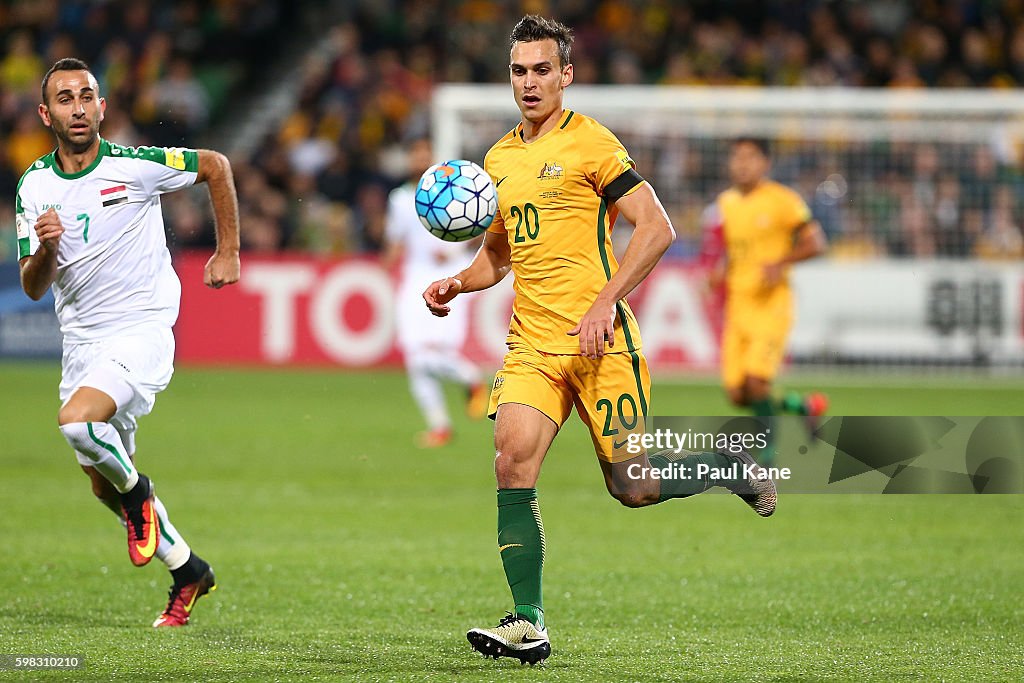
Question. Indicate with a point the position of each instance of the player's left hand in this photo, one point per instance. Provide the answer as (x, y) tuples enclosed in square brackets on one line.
[(439, 293), (771, 274), (223, 268), (595, 328)]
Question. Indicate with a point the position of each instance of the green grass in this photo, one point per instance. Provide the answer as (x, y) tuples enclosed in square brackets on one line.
[(343, 553)]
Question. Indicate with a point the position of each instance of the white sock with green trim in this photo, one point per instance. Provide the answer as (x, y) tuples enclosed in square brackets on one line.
[(426, 391), (172, 550), (101, 443)]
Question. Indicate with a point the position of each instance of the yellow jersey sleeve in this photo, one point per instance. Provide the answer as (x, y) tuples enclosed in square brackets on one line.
[(794, 209), (497, 226), (609, 167)]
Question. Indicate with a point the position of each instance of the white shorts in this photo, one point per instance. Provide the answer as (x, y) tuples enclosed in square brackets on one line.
[(417, 327), (131, 369)]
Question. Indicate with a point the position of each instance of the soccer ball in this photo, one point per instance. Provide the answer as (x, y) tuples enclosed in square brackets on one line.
[(456, 200)]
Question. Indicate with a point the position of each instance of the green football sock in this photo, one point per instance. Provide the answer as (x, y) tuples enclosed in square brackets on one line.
[(764, 407), (521, 545), (793, 404), (688, 483)]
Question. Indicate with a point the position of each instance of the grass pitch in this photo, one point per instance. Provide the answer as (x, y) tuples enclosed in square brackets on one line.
[(344, 553)]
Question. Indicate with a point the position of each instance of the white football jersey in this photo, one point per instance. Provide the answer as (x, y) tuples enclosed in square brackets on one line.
[(425, 257), (113, 269)]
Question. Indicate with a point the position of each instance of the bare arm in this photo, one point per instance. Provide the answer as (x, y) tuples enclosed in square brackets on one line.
[(810, 242), (490, 265), (39, 270), (651, 237), (224, 266)]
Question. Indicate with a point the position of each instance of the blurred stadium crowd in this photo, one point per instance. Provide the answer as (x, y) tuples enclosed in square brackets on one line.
[(174, 71)]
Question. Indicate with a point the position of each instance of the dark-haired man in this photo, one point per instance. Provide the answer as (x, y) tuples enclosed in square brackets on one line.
[(89, 226), (562, 179), (765, 228)]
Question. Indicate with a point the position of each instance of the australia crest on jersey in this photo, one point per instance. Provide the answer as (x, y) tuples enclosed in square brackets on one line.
[(551, 173)]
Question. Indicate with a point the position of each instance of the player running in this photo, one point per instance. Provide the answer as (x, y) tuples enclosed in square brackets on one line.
[(89, 225), (432, 351), (765, 228), (562, 178)]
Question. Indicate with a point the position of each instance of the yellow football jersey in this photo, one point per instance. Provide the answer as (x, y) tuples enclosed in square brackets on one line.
[(758, 229), (556, 207)]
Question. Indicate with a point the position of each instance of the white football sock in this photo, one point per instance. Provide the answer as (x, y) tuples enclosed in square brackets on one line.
[(426, 390), (455, 367), (172, 550), (448, 364), (101, 444)]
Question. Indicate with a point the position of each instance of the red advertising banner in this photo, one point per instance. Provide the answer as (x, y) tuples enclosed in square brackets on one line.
[(301, 310)]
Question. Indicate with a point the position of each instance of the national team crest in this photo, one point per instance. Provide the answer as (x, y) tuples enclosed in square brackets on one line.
[(551, 173)]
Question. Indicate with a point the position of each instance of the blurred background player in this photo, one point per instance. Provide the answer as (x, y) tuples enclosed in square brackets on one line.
[(431, 348), (89, 225), (765, 227)]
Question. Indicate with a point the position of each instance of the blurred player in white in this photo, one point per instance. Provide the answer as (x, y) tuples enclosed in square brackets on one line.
[(89, 226), (431, 346)]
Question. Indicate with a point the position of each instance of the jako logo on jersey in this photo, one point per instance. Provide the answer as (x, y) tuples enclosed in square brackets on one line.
[(551, 173), (47, 207), (114, 195)]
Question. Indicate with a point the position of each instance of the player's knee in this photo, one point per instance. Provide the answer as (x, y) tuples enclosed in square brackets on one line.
[(737, 396), (505, 467), (635, 499), (757, 389), (71, 413), (513, 469)]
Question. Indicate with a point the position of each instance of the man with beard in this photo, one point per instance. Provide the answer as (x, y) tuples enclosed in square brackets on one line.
[(89, 225)]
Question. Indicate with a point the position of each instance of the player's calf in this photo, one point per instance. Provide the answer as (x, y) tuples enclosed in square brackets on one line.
[(103, 490), (633, 494), (635, 499), (630, 490)]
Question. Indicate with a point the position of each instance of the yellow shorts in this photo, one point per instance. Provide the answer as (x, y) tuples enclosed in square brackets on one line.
[(610, 394), (754, 341)]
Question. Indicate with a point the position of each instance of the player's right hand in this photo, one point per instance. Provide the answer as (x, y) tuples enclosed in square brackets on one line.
[(49, 229), (439, 293)]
